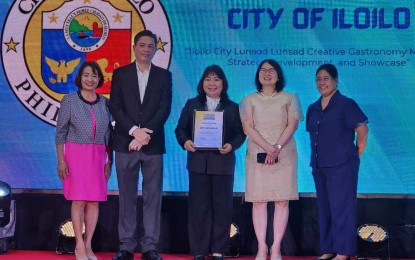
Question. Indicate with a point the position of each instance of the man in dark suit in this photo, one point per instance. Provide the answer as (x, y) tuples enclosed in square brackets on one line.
[(141, 96)]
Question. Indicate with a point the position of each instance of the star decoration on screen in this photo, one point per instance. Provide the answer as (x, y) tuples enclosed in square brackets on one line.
[(161, 44), (53, 18), (117, 18), (11, 45)]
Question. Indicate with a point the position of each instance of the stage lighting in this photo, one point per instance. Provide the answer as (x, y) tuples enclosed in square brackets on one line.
[(373, 240), (7, 218), (66, 238), (5, 203), (234, 230), (234, 234)]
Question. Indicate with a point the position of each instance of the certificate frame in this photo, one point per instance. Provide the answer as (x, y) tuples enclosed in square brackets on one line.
[(208, 129)]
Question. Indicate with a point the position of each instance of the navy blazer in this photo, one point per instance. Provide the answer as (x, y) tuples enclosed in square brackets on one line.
[(332, 131), (211, 161), (127, 110)]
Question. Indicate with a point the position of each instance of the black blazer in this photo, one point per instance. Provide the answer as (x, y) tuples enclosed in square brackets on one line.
[(211, 161), (127, 110)]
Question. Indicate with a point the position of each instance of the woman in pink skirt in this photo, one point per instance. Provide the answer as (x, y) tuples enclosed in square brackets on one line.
[(83, 152)]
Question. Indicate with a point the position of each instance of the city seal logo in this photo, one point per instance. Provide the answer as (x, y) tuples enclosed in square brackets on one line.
[(86, 29), (44, 43)]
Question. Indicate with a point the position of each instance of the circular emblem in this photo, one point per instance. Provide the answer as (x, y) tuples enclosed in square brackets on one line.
[(45, 42), (86, 29)]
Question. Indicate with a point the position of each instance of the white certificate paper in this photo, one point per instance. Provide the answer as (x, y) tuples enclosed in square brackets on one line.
[(208, 129)]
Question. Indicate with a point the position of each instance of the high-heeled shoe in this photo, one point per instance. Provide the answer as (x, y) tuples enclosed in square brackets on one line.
[(262, 255), (327, 258), (91, 255), (199, 257), (217, 257), (275, 255), (80, 257)]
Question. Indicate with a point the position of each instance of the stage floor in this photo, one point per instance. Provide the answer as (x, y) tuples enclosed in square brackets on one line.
[(50, 255)]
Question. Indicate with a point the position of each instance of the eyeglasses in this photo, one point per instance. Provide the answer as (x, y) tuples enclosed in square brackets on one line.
[(323, 79), (271, 71)]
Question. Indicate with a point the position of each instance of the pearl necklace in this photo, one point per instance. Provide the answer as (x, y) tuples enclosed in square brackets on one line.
[(273, 94)]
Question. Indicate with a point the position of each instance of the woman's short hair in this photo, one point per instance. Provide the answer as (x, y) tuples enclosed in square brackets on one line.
[(96, 69), (330, 68), (281, 78), (217, 70)]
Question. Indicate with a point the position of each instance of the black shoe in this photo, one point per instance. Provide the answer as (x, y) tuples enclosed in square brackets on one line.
[(123, 255), (328, 258), (217, 257), (151, 255), (199, 257)]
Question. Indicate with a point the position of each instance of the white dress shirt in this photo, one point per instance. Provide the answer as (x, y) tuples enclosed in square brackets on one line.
[(212, 103), (142, 85), (143, 80)]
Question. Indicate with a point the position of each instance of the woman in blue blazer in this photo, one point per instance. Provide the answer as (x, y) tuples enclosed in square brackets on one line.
[(333, 121)]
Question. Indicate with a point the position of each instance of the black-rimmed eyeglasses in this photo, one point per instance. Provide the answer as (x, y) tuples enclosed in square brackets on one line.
[(271, 71)]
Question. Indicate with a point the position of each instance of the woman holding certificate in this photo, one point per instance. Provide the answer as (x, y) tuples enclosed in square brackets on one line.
[(210, 168), (270, 117)]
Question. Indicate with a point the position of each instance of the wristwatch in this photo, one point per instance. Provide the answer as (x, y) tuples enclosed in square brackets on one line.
[(278, 146)]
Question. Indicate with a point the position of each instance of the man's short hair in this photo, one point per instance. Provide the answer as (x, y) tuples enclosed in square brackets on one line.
[(145, 33)]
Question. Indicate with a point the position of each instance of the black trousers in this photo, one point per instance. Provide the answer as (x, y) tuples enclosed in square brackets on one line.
[(210, 213)]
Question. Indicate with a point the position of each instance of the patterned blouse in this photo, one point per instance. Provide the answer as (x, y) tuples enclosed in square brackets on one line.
[(75, 123)]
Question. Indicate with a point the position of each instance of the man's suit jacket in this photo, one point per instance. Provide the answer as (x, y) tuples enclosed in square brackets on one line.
[(127, 109), (211, 161)]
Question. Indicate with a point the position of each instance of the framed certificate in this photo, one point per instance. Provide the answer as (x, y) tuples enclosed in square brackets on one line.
[(208, 129)]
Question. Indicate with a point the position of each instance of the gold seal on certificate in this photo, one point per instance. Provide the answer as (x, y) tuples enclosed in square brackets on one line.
[(208, 129)]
